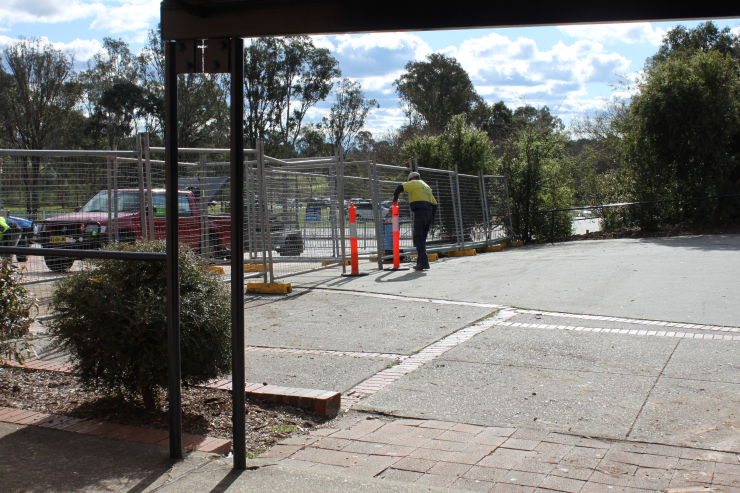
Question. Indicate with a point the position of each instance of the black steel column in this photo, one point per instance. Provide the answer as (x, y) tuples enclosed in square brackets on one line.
[(173, 264), (238, 376)]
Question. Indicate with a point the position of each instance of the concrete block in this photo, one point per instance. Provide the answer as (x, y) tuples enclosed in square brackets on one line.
[(495, 248), (461, 253), (269, 288)]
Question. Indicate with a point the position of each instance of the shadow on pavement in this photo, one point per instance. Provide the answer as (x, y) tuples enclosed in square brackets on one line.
[(42, 460), (409, 276)]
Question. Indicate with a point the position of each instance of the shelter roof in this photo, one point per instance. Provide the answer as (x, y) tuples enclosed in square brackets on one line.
[(203, 19)]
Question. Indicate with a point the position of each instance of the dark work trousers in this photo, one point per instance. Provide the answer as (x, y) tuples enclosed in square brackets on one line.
[(423, 219)]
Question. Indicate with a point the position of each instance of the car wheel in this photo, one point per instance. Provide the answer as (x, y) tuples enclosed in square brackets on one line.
[(214, 245), (59, 264), (293, 246)]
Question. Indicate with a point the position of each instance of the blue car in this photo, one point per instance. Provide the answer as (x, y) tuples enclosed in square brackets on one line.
[(27, 232)]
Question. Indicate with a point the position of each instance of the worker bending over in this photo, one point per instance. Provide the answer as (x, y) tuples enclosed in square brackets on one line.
[(424, 206)]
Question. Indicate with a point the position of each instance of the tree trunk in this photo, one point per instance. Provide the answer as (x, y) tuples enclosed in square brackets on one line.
[(147, 395)]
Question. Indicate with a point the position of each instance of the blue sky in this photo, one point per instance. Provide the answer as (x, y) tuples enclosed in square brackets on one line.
[(571, 69)]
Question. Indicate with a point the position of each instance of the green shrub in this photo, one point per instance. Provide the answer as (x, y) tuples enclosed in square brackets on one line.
[(111, 318), (16, 304)]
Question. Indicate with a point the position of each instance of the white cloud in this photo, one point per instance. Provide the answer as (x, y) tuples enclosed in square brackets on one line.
[(82, 49), (47, 11), (130, 15), (377, 54), (628, 32), (519, 72)]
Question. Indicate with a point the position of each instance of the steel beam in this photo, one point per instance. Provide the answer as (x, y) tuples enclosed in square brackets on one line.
[(173, 263), (238, 372), (181, 19)]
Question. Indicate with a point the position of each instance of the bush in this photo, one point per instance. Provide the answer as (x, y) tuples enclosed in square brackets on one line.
[(111, 318), (16, 304)]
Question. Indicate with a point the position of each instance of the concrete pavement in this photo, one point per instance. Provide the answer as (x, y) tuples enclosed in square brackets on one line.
[(654, 365), (688, 278)]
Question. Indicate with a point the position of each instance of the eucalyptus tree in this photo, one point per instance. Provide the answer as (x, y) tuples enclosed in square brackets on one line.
[(432, 91), (348, 113), (284, 79), (202, 106), (38, 95)]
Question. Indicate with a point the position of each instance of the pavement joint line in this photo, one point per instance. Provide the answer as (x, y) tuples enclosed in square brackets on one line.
[(525, 311), (645, 333), (325, 352), (407, 298), (388, 376), (662, 323)]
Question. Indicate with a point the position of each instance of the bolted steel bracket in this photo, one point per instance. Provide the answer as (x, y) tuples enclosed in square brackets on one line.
[(196, 56)]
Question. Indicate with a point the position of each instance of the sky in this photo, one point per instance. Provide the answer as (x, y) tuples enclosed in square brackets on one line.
[(571, 69)]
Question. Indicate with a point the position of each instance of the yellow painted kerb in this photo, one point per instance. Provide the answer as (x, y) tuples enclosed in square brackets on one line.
[(462, 253), (269, 288), (433, 257)]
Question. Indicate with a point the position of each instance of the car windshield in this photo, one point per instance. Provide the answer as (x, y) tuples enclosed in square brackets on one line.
[(127, 202)]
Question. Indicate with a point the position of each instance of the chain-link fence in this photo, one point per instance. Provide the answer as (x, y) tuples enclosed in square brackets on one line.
[(88, 199)]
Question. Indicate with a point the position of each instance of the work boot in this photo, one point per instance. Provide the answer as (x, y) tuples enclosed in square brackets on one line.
[(421, 267)]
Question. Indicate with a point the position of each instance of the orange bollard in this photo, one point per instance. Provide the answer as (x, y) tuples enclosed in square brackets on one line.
[(355, 260), (396, 238)]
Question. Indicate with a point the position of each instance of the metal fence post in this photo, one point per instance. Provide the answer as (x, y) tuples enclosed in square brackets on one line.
[(109, 169), (115, 195), (147, 158), (267, 245), (331, 175), (484, 204), (341, 214), (459, 208), (204, 250), (375, 191), (552, 227), (142, 197), (172, 249), (508, 207)]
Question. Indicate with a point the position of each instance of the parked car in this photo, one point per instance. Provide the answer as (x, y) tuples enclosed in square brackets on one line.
[(88, 228), (364, 211), (26, 235)]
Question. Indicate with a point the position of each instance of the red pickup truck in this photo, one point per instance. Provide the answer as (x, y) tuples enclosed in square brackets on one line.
[(88, 228)]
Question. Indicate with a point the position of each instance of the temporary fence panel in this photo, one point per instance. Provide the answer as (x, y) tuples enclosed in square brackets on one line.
[(101, 197), (472, 211), (303, 201), (387, 179), (446, 233), (358, 190), (496, 198)]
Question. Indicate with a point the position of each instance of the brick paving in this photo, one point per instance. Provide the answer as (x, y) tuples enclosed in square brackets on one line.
[(491, 459), (636, 332), (111, 430)]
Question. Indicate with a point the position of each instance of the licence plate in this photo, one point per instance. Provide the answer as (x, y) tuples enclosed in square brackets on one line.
[(59, 239)]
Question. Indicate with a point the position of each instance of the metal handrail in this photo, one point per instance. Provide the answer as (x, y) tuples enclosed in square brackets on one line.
[(103, 254), (622, 204), (29, 152)]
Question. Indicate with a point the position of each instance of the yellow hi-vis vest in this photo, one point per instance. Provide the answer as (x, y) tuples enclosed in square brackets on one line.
[(419, 192), (3, 227)]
